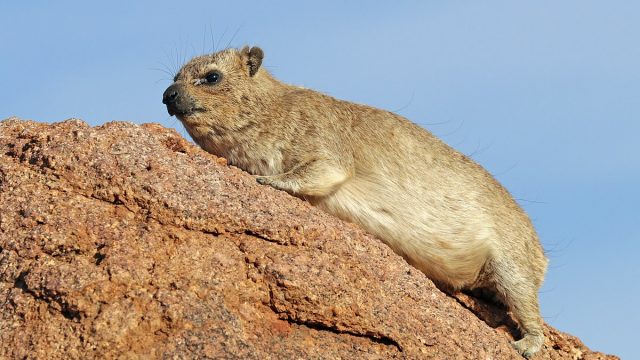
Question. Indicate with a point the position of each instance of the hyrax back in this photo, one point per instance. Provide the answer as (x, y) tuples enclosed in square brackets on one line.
[(434, 206)]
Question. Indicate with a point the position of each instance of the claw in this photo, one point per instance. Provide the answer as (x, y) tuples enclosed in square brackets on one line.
[(262, 180)]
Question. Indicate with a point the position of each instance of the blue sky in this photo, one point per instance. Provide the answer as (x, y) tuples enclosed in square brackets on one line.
[(544, 94)]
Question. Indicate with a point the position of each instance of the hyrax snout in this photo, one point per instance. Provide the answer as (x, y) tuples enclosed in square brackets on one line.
[(437, 208)]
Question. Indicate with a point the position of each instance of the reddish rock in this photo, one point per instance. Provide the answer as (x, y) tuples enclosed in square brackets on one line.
[(128, 241)]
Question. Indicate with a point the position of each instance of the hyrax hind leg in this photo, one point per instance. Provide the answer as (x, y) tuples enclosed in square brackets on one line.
[(520, 294)]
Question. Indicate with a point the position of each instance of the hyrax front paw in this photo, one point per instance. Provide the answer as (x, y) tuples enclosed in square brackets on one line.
[(279, 182), (263, 180)]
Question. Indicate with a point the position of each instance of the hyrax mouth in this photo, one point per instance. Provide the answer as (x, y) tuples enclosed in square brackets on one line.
[(178, 102), (183, 113)]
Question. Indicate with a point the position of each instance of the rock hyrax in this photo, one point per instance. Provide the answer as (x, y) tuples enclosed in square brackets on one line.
[(437, 208)]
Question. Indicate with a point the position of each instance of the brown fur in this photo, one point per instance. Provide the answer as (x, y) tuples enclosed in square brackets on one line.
[(434, 206)]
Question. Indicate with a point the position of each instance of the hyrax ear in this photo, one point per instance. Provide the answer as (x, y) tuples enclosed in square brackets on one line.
[(253, 57)]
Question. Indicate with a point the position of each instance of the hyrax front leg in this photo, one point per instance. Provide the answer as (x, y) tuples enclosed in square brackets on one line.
[(314, 178)]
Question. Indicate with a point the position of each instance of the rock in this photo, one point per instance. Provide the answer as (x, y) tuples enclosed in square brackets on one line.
[(128, 241)]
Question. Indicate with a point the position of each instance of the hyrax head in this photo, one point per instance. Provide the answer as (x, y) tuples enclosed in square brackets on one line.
[(212, 88)]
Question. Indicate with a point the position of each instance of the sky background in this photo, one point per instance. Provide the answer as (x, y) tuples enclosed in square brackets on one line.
[(544, 94)]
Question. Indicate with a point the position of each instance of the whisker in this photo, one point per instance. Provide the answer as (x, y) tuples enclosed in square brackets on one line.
[(193, 50), (161, 70), (405, 105), (204, 37), (513, 166), (479, 150), (163, 79), (531, 201), (456, 129), (223, 34), (434, 123), (233, 37), (213, 40)]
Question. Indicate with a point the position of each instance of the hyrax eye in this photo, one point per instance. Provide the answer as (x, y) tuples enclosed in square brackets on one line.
[(213, 77)]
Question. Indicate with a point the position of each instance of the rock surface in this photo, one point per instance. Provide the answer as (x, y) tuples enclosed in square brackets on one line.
[(127, 241)]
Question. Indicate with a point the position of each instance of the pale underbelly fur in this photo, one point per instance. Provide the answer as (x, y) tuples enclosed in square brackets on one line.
[(444, 245)]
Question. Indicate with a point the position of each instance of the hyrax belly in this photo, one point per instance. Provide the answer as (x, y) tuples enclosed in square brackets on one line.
[(430, 237)]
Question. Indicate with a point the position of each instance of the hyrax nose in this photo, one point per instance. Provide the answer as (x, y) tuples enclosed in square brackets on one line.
[(170, 95)]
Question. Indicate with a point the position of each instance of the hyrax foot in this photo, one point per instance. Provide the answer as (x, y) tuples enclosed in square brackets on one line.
[(529, 345)]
